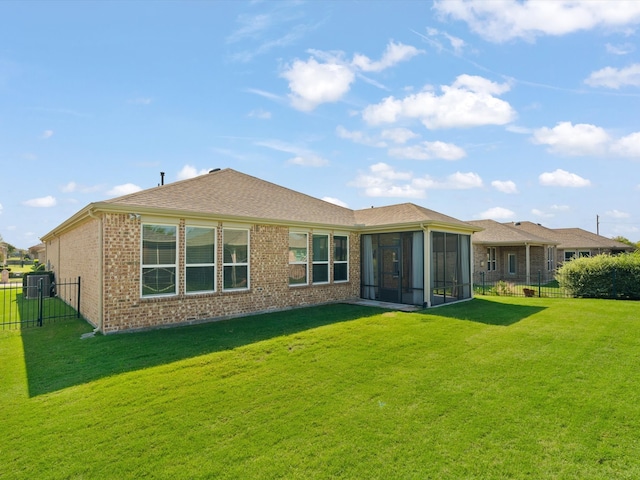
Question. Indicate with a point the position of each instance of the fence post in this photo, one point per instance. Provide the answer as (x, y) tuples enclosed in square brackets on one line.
[(482, 275), (40, 300), (78, 309), (539, 284), (614, 283)]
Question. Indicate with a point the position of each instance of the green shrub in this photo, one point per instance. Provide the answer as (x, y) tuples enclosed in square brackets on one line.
[(602, 276)]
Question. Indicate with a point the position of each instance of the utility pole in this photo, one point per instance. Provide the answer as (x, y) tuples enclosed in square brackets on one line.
[(598, 224)]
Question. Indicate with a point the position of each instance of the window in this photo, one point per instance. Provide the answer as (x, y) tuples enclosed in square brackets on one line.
[(159, 259), (584, 254), (235, 259), (512, 263), (340, 258), (320, 270), (200, 254), (550, 259), (491, 259), (569, 255), (298, 265)]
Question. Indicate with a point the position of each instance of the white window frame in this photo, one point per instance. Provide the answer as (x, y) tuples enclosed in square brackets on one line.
[(236, 264), (339, 262), (550, 261), (321, 262), (492, 261), (297, 261), (159, 265), (515, 263), (573, 254), (213, 264)]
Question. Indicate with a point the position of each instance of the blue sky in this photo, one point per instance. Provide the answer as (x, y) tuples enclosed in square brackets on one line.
[(507, 110)]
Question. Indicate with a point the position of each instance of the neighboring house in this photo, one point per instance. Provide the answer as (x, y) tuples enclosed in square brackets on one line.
[(226, 244), (503, 252), (38, 252), (528, 251)]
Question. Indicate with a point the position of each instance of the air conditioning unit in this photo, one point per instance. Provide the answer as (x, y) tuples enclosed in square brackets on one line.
[(33, 281)]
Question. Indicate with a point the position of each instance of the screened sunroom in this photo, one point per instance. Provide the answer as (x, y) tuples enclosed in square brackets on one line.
[(396, 267)]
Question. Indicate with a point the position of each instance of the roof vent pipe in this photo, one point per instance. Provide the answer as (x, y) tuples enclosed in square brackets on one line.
[(161, 178), (213, 170)]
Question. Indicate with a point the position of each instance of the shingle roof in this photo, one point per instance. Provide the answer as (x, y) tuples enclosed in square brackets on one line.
[(231, 194), (504, 234), (529, 232), (405, 213), (578, 238)]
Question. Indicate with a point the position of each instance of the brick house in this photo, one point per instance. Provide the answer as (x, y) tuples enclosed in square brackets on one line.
[(527, 251), (227, 244)]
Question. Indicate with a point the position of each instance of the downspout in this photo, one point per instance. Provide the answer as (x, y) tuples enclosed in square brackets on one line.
[(100, 270), (426, 260)]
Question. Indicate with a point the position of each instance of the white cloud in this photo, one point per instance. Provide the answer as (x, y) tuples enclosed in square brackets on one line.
[(359, 137), (628, 146), (259, 113), (124, 189), (398, 135), (562, 178), (395, 53), (189, 171), (574, 140), (46, 134), (428, 151), (43, 202), (497, 213), (0, 209), (382, 180), (335, 201), (302, 156), (72, 187), (561, 208), (309, 160), (506, 186), (615, 78), (617, 214), (312, 83), (540, 213), (503, 20), (623, 49), (468, 102)]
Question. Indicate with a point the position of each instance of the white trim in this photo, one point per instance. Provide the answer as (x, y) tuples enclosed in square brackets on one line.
[(214, 264), (167, 265)]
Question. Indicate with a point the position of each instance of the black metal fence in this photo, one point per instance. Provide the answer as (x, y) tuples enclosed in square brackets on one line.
[(540, 284), (38, 300), (546, 284)]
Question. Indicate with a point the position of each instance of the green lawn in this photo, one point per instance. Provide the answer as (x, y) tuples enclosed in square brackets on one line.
[(493, 388)]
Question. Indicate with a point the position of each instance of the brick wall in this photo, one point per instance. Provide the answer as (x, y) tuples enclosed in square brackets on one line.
[(75, 254), (124, 309)]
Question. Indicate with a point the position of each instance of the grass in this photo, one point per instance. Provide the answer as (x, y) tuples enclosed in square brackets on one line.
[(493, 388)]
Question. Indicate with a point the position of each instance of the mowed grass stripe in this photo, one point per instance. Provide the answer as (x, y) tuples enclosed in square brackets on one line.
[(493, 388)]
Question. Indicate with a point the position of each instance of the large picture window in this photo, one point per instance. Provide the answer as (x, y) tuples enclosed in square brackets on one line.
[(340, 258), (298, 258), (320, 258), (159, 259), (200, 255), (236, 259)]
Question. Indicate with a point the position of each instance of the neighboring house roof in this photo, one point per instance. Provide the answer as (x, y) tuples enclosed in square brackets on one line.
[(577, 238), (496, 233), (563, 238), (230, 194)]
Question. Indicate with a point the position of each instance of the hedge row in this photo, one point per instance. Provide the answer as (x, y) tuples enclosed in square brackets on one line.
[(602, 276)]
